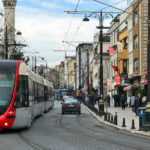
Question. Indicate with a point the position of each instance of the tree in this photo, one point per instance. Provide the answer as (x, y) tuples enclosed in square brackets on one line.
[(17, 54)]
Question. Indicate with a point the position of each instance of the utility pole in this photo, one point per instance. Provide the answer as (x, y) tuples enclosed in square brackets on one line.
[(101, 27), (88, 71), (79, 66), (147, 117), (35, 63)]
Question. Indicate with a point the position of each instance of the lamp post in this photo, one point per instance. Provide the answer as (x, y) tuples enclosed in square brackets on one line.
[(101, 100), (100, 41), (101, 27), (6, 41), (147, 118), (88, 90)]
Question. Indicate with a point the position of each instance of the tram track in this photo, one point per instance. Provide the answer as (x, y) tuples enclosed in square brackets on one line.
[(29, 142), (93, 137)]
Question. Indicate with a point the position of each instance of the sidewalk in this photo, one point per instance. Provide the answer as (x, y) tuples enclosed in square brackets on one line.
[(128, 114)]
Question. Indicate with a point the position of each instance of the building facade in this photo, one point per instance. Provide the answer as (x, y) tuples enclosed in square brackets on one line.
[(82, 66), (70, 73)]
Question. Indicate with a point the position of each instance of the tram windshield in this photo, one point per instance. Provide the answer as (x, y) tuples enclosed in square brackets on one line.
[(6, 89)]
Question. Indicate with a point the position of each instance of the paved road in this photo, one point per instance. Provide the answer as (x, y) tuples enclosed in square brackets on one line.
[(71, 132), (12, 141)]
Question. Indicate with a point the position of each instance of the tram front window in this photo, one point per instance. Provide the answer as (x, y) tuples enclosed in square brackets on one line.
[(6, 90)]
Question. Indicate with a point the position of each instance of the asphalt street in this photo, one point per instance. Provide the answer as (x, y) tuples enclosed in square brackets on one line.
[(54, 131)]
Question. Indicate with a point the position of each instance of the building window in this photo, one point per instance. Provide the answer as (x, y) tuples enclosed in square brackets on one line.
[(136, 64), (124, 66), (135, 41), (74, 65), (125, 43), (106, 38), (135, 19)]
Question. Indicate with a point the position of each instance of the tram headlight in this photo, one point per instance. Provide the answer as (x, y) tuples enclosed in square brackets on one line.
[(10, 112), (6, 124)]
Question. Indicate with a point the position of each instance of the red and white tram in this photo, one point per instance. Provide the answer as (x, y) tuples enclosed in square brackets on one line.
[(24, 95)]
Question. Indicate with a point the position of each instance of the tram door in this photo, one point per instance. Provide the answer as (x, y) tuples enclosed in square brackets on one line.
[(21, 103)]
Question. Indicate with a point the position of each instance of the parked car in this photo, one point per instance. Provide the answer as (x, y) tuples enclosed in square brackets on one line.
[(71, 105)]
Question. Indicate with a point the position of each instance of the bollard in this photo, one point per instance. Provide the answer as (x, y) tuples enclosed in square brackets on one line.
[(124, 123), (108, 118), (105, 117), (111, 121), (133, 126), (115, 119)]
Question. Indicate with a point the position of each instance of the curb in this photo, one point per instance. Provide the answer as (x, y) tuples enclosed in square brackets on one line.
[(120, 128)]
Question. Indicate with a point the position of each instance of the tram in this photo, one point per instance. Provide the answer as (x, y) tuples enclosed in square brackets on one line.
[(24, 95)]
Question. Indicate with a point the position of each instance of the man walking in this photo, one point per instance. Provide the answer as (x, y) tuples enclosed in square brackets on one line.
[(108, 100), (123, 101)]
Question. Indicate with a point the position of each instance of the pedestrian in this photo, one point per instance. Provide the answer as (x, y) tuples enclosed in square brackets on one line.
[(115, 100), (128, 101), (144, 101), (108, 100), (118, 100), (133, 103), (86, 100), (92, 100), (123, 102), (138, 103)]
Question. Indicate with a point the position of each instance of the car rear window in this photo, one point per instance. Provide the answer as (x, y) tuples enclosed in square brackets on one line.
[(71, 101)]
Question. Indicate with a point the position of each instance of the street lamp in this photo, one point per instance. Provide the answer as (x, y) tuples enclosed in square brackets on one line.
[(100, 40), (7, 44), (147, 118), (101, 27)]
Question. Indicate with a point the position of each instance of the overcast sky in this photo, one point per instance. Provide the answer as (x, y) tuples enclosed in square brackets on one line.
[(44, 25)]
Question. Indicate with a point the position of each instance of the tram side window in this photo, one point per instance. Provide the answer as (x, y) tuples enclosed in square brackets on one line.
[(50, 94), (41, 93), (36, 92), (31, 90), (45, 93), (22, 95)]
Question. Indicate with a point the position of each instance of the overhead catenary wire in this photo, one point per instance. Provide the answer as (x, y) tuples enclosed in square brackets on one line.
[(71, 20), (70, 23), (78, 28)]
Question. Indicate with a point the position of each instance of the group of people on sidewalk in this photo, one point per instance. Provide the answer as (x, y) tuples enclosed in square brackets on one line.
[(119, 100), (131, 101)]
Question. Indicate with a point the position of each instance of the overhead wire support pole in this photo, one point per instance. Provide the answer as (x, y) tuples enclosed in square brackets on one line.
[(101, 27), (79, 67), (147, 115), (88, 90)]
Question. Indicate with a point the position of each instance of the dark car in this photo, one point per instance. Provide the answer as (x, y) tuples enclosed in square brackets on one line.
[(71, 105)]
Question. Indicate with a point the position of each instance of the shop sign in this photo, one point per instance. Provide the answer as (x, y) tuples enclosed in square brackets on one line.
[(109, 84), (111, 51), (117, 79)]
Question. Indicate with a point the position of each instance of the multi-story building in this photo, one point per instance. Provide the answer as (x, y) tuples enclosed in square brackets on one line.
[(82, 67), (96, 63), (70, 73), (62, 80), (113, 32), (137, 43)]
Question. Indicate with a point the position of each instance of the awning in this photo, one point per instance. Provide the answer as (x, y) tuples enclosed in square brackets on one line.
[(127, 88), (111, 90)]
